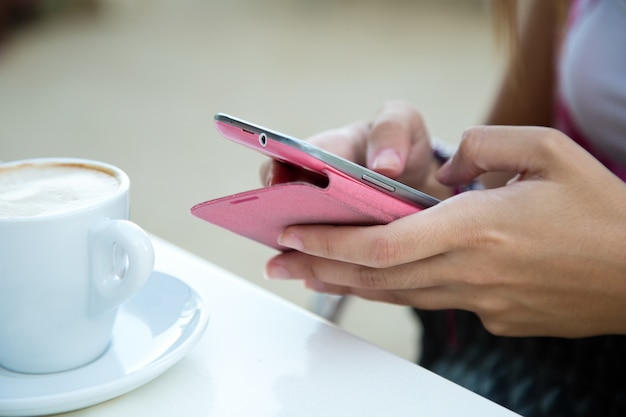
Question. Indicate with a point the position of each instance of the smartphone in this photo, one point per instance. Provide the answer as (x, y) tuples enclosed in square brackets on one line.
[(288, 149), (351, 194)]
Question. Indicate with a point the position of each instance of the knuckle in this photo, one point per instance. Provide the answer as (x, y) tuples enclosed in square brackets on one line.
[(311, 272), (496, 327), (495, 315), (482, 236), (384, 252), (387, 127), (471, 141), (551, 142), (505, 328), (398, 297), (328, 249), (371, 278)]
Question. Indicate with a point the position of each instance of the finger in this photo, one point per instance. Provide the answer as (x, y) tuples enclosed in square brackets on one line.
[(276, 172), (425, 273), (346, 142), (266, 172), (394, 131), (449, 225), (432, 298), (529, 151), (326, 288)]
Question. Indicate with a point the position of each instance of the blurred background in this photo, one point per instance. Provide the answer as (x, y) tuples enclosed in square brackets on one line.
[(136, 83)]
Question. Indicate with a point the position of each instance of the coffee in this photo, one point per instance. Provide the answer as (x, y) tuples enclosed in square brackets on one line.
[(40, 190)]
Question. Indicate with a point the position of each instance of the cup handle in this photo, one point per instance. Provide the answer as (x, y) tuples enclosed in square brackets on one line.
[(122, 259)]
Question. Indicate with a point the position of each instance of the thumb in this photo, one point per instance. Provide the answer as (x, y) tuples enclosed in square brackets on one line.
[(526, 150)]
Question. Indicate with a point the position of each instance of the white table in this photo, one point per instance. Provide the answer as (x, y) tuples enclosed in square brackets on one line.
[(261, 356)]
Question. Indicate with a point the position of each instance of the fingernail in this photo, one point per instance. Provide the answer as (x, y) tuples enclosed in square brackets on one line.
[(276, 271), (387, 159), (290, 240)]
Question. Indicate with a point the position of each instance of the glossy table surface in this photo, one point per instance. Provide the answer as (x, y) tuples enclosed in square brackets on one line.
[(262, 356)]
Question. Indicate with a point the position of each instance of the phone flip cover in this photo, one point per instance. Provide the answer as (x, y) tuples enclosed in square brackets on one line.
[(262, 214)]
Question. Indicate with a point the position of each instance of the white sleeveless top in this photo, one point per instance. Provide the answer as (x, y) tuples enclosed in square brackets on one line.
[(592, 76)]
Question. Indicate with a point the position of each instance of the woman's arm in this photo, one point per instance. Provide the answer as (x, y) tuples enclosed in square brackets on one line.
[(526, 94)]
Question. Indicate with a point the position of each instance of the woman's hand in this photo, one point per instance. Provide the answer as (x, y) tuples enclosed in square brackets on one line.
[(544, 255), (395, 144)]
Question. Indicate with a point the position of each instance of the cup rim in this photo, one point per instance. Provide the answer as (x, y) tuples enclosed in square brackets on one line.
[(118, 173)]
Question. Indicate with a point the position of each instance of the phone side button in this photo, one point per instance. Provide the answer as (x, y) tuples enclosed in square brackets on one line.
[(378, 183)]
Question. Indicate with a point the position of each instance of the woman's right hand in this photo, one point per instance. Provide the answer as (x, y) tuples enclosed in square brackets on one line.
[(395, 143)]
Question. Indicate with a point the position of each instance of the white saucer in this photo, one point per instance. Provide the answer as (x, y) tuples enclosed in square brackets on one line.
[(154, 330)]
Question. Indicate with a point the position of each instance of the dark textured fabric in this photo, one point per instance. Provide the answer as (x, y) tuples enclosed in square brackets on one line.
[(534, 377)]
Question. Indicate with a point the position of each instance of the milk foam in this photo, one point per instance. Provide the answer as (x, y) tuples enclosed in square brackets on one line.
[(29, 191)]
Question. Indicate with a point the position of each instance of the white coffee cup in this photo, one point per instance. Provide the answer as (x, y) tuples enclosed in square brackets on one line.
[(68, 258)]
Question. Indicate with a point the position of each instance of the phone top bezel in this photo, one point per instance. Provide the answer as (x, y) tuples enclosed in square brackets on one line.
[(353, 170)]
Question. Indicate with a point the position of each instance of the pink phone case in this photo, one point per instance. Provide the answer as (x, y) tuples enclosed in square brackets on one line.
[(262, 214)]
